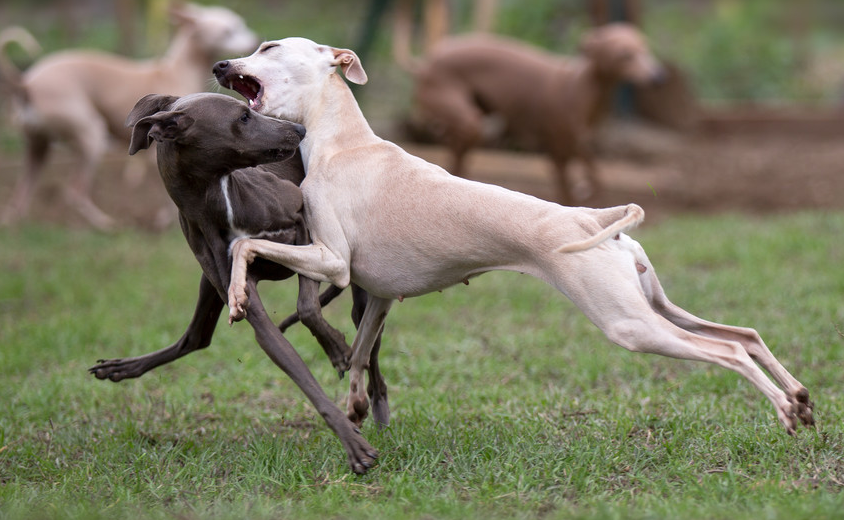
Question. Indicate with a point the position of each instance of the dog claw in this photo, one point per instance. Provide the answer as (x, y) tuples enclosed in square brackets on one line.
[(362, 456), (236, 313)]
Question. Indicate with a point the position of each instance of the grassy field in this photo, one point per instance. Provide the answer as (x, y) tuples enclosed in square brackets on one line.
[(507, 402)]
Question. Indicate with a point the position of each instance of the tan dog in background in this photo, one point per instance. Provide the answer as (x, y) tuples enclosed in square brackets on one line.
[(82, 97), (549, 102)]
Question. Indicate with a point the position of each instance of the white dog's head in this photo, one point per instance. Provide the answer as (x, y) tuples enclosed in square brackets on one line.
[(281, 75)]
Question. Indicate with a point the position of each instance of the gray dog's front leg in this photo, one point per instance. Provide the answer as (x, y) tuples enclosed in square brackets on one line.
[(198, 335), (360, 453)]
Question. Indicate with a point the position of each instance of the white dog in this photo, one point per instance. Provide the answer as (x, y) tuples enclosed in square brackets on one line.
[(398, 227)]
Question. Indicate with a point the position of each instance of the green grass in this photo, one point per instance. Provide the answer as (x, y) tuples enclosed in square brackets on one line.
[(507, 402)]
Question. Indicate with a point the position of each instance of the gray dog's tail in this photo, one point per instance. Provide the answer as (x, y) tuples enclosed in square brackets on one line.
[(9, 73), (633, 216)]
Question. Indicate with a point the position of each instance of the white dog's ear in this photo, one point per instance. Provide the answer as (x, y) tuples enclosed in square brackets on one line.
[(349, 63)]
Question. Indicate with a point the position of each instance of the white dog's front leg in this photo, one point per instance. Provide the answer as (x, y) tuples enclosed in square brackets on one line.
[(315, 261)]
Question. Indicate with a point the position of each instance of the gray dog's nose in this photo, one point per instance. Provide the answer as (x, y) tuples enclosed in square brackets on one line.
[(299, 129)]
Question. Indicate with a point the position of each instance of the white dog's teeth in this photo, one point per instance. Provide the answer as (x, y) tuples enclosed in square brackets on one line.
[(240, 76)]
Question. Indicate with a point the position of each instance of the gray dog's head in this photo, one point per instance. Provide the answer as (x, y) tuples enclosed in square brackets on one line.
[(213, 133)]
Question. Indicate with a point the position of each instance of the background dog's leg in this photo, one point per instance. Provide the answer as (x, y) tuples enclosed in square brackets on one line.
[(361, 454), (37, 150), (594, 183), (457, 115), (198, 335), (561, 172), (90, 147), (330, 339), (377, 387)]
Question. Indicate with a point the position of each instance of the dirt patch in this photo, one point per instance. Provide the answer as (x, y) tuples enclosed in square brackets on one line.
[(664, 172)]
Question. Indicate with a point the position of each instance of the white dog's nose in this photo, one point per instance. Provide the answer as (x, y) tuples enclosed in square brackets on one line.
[(220, 68)]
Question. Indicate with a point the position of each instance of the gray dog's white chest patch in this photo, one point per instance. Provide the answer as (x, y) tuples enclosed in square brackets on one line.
[(235, 232), (224, 188)]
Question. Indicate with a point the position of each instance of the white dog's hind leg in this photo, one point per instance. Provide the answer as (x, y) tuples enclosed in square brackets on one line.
[(748, 338), (654, 334), (610, 288)]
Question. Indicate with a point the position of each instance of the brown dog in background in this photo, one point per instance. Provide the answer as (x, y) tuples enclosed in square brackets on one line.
[(550, 102)]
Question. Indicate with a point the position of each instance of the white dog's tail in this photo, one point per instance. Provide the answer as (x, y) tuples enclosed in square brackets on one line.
[(633, 216)]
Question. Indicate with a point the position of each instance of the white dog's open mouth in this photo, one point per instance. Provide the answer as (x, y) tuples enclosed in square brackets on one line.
[(248, 87)]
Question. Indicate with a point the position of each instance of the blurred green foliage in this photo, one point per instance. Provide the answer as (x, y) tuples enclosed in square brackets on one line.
[(754, 50), (734, 50)]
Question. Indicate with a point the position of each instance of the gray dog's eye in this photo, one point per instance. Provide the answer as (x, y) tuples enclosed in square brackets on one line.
[(245, 117)]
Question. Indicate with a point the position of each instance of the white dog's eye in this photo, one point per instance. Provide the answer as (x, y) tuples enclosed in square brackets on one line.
[(267, 47)]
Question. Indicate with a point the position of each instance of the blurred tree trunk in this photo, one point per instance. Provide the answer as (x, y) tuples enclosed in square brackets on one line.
[(158, 27), (70, 25), (126, 14)]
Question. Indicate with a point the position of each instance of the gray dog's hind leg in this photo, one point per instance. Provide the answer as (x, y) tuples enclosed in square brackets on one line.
[(326, 297), (330, 339)]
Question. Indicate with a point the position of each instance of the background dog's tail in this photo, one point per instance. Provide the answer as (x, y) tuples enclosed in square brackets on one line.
[(633, 216), (9, 73)]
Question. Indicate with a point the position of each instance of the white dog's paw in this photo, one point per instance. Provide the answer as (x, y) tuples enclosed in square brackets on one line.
[(238, 303)]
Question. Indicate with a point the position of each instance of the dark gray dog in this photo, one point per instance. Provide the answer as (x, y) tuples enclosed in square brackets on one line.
[(210, 147)]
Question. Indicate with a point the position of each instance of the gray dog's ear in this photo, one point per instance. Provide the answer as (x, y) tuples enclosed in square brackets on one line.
[(145, 107), (349, 63), (163, 126), (149, 105)]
